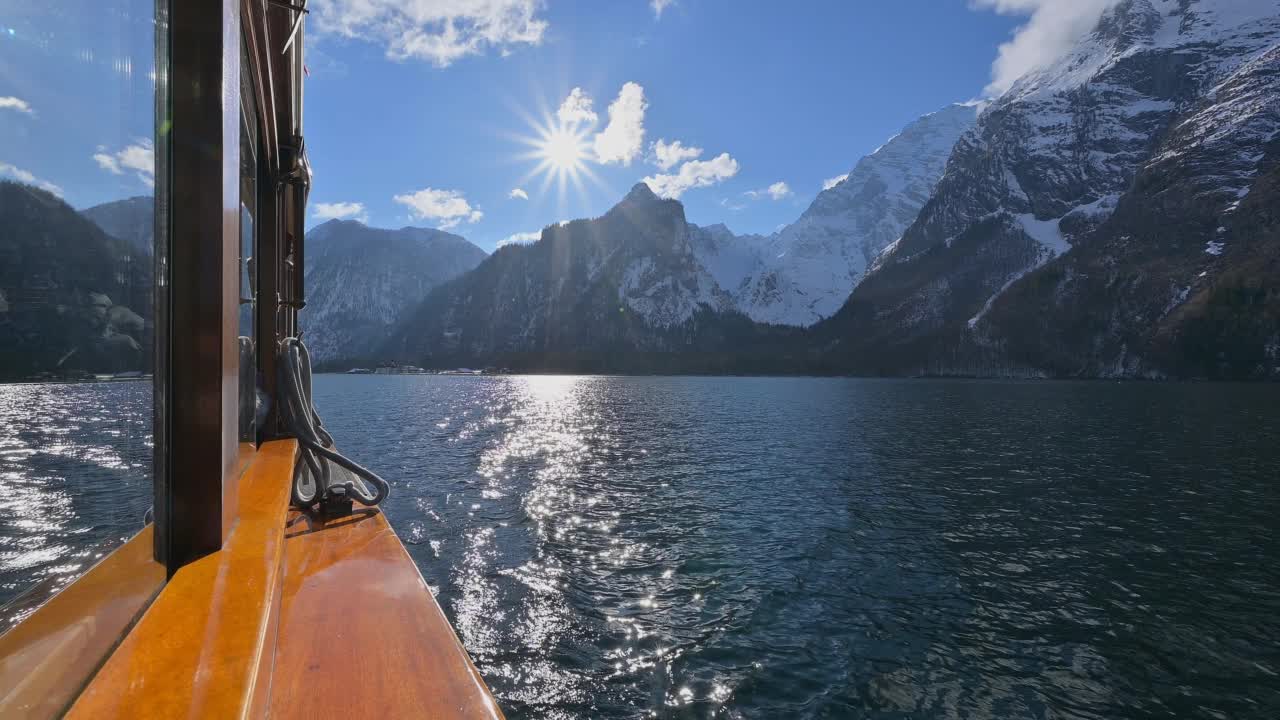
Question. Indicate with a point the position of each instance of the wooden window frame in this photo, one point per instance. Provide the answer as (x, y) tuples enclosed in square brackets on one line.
[(197, 452)]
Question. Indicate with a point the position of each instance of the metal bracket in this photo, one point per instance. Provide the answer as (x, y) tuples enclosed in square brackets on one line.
[(336, 503)]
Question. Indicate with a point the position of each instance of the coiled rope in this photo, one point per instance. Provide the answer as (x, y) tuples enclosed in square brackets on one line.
[(324, 473)]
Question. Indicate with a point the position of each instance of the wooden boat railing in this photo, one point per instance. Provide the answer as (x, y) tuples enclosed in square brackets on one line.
[(275, 624)]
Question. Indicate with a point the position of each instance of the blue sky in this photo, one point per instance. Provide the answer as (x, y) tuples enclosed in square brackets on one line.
[(793, 93), (420, 111), (77, 108)]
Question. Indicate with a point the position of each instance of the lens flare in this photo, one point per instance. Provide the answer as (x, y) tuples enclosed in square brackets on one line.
[(563, 151), (563, 155)]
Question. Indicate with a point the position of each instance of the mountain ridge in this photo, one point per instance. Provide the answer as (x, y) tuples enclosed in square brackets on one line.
[(131, 219), (1038, 206), (593, 294), (804, 272), (1090, 222), (361, 279)]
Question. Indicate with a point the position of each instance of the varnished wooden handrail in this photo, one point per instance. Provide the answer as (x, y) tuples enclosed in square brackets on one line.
[(205, 646), (47, 658), (361, 634), (296, 617)]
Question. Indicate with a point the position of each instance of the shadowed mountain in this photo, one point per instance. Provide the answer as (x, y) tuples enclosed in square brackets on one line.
[(72, 298), (131, 220), (360, 280), (621, 292)]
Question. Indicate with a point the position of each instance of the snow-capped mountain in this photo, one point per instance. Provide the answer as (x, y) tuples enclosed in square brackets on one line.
[(589, 294), (1112, 214), (1091, 204), (360, 280), (804, 272), (673, 279)]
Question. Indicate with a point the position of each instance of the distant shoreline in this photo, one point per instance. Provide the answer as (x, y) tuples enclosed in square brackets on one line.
[(987, 378), (798, 376)]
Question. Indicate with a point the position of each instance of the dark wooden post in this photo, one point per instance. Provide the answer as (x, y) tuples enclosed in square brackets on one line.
[(198, 191)]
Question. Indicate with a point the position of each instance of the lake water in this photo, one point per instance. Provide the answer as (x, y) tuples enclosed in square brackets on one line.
[(75, 478), (737, 547)]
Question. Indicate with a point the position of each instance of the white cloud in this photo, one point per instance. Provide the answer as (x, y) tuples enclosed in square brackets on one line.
[(832, 182), (776, 191), (17, 173), (339, 210), (520, 239), (623, 138), (667, 156), (450, 207), (577, 109), (735, 207), (518, 194), (1050, 31), (660, 5), (692, 174), (438, 31), (13, 103), (139, 157)]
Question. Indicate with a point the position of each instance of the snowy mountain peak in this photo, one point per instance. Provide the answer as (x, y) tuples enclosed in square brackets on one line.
[(1135, 27), (1126, 158), (804, 272), (910, 162)]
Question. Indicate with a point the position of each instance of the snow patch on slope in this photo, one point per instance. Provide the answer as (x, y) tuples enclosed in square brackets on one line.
[(663, 300), (1048, 235)]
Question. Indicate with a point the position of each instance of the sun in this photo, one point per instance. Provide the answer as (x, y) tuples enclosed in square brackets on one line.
[(562, 156), (562, 151)]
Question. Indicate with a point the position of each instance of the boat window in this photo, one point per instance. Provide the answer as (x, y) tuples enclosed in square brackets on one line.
[(77, 242), (249, 380)]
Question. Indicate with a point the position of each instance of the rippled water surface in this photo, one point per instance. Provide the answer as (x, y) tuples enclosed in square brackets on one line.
[(790, 548), (695, 547), (75, 477)]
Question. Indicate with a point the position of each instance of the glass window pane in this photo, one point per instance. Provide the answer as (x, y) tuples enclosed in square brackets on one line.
[(248, 266), (77, 172)]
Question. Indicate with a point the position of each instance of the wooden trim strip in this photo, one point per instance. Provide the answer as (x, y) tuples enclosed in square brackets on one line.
[(205, 646), (360, 633), (47, 658)]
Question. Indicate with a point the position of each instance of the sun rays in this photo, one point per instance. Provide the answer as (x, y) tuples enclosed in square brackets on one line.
[(562, 153)]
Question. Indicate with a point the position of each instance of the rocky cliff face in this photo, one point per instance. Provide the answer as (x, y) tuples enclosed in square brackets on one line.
[(804, 272), (809, 267), (360, 281), (1092, 201)]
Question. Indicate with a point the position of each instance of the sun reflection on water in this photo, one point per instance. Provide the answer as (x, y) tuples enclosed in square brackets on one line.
[(75, 467), (550, 521)]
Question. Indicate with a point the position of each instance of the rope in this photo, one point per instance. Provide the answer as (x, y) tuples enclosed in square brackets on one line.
[(320, 475)]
